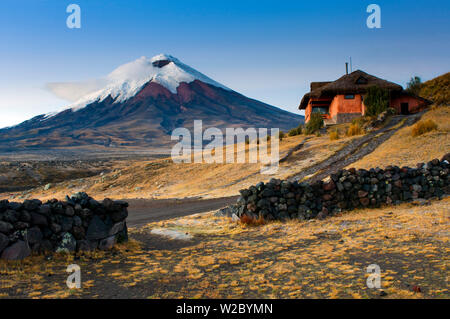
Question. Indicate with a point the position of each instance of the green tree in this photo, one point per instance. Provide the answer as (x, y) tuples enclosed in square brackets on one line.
[(376, 101), (414, 85), (314, 124)]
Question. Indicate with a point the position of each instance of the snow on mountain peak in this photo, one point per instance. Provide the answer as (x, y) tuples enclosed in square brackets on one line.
[(128, 79)]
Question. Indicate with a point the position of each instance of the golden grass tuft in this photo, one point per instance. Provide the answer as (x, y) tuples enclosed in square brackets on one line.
[(423, 127), (355, 129), (334, 135)]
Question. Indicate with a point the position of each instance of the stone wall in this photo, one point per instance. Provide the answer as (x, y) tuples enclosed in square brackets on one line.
[(79, 223), (345, 190)]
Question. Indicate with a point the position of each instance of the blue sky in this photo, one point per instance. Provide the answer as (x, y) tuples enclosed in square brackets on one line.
[(267, 50)]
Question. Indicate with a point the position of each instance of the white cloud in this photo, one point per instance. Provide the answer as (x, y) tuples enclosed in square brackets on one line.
[(72, 91)]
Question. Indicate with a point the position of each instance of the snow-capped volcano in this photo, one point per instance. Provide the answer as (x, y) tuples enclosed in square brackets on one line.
[(128, 79), (138, 105)]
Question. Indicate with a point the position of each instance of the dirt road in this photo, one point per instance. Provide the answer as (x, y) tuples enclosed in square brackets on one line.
[(144, 211)]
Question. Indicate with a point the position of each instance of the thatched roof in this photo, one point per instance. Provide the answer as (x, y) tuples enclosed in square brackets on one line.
[(356, 82)]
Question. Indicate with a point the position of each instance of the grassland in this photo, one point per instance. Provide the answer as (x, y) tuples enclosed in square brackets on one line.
[(164, 179)]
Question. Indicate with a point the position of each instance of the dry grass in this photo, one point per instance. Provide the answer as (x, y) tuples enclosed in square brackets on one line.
[(423, 127), (334, 135), (315, 259), (402, 149), (355, 129)]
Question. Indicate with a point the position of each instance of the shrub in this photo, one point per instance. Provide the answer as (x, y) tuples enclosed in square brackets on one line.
[(281, 135), (414, 85), (376, 101), (334, 135), (296, 131), (355, 129), (423, 127), (251, 221), (315, 123)]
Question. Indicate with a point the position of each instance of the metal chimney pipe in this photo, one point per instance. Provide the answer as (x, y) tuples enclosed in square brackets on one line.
[(346, 68)]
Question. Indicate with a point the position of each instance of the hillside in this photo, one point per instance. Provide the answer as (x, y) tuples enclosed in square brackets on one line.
[(402, 149), (437, 89)]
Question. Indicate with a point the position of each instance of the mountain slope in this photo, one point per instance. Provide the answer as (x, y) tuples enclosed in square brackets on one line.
[(139, 107), (437, 89)]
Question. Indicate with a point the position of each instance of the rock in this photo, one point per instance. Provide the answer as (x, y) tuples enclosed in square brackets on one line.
[(118, 227), (66, 223), (4, 241), (32, 204), (86, 245), (329, 186), (11, 216), (362, 193), (78, 232), (33, 235), (118, 216), (17, 251), (47, 186), (97, 229), (107, 243), (6, 228), (67, 244), (364, 201), (38, 219), (56, 228), (69, 211)]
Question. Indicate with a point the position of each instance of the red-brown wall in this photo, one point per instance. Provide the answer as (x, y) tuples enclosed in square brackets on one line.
[(414, 104)]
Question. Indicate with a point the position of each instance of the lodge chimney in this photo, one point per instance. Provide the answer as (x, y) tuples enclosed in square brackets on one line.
[(346, 68)]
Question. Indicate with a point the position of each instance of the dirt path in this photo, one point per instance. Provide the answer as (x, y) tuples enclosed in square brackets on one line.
[(355, 150), (144, 211)]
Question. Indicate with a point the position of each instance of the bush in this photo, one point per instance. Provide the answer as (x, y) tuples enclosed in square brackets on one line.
[(251, 221), (376, 101), (296, 131), (414, 85), (355, 129), (315, 123), (281, 135), (423, 127), (334, 135)]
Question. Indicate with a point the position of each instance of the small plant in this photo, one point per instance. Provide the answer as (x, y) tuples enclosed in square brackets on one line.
[(296, 131), (376, 101), (414, 85), (314, 124), (281, 135), (423, 127), (354, 129), (252, 221), (334, 135)]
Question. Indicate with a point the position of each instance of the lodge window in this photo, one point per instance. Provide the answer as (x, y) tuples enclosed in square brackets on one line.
[(349, 96), (321, 110)]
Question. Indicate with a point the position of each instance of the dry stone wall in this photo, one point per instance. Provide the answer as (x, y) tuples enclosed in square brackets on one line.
[(345, 190), (80, 223)]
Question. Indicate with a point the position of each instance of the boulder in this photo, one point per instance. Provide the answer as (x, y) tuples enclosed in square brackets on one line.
[(4, 241), (6, 228), (97, 229), (17, 251), (107, 243)]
